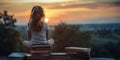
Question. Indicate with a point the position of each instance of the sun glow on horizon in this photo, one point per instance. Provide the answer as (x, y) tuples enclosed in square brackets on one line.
[(46, 20), (69, 11)]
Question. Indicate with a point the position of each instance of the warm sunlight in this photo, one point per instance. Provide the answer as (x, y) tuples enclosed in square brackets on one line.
[(69, 11), (46, 20)]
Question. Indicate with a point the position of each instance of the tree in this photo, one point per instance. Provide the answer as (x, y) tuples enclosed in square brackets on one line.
[(70, 35), (10, 41), (7, 19), (106, 49)]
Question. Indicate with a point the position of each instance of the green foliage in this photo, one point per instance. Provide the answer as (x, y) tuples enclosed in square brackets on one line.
[(10, 41), (107, 49), (106, 44), (69, 35), (103, 33)]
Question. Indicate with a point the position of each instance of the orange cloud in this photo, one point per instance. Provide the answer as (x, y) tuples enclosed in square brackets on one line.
[(73, 11)]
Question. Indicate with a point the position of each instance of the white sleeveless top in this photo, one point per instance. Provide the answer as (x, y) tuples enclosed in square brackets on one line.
[(39, 38)]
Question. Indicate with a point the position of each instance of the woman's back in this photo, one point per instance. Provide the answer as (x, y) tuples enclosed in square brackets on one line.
[(39, 37)]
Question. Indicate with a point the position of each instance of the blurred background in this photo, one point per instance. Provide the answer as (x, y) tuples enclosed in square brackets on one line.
[(83, 23)]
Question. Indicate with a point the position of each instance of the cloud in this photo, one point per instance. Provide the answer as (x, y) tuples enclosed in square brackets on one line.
[(67, 11), (74, 4), (116, 3), (14, 7), (36, 1), (59, 5), (84, 4), (19, 7)]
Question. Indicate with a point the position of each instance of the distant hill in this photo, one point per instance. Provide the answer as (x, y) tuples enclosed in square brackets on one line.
[(83, 27), (94, 27)]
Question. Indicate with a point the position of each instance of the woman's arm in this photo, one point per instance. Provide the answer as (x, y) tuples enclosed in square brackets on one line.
[(29, 35)]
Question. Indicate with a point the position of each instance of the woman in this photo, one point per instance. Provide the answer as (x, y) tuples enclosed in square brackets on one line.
[(37, 29)]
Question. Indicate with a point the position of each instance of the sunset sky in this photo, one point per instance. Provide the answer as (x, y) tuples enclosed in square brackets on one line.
[(69, 11)]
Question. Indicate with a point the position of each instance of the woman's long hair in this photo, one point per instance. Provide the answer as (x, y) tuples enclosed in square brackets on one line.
[(36, 17)]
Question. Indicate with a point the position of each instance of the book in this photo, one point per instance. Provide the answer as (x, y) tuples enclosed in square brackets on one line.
[(16, 56)]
